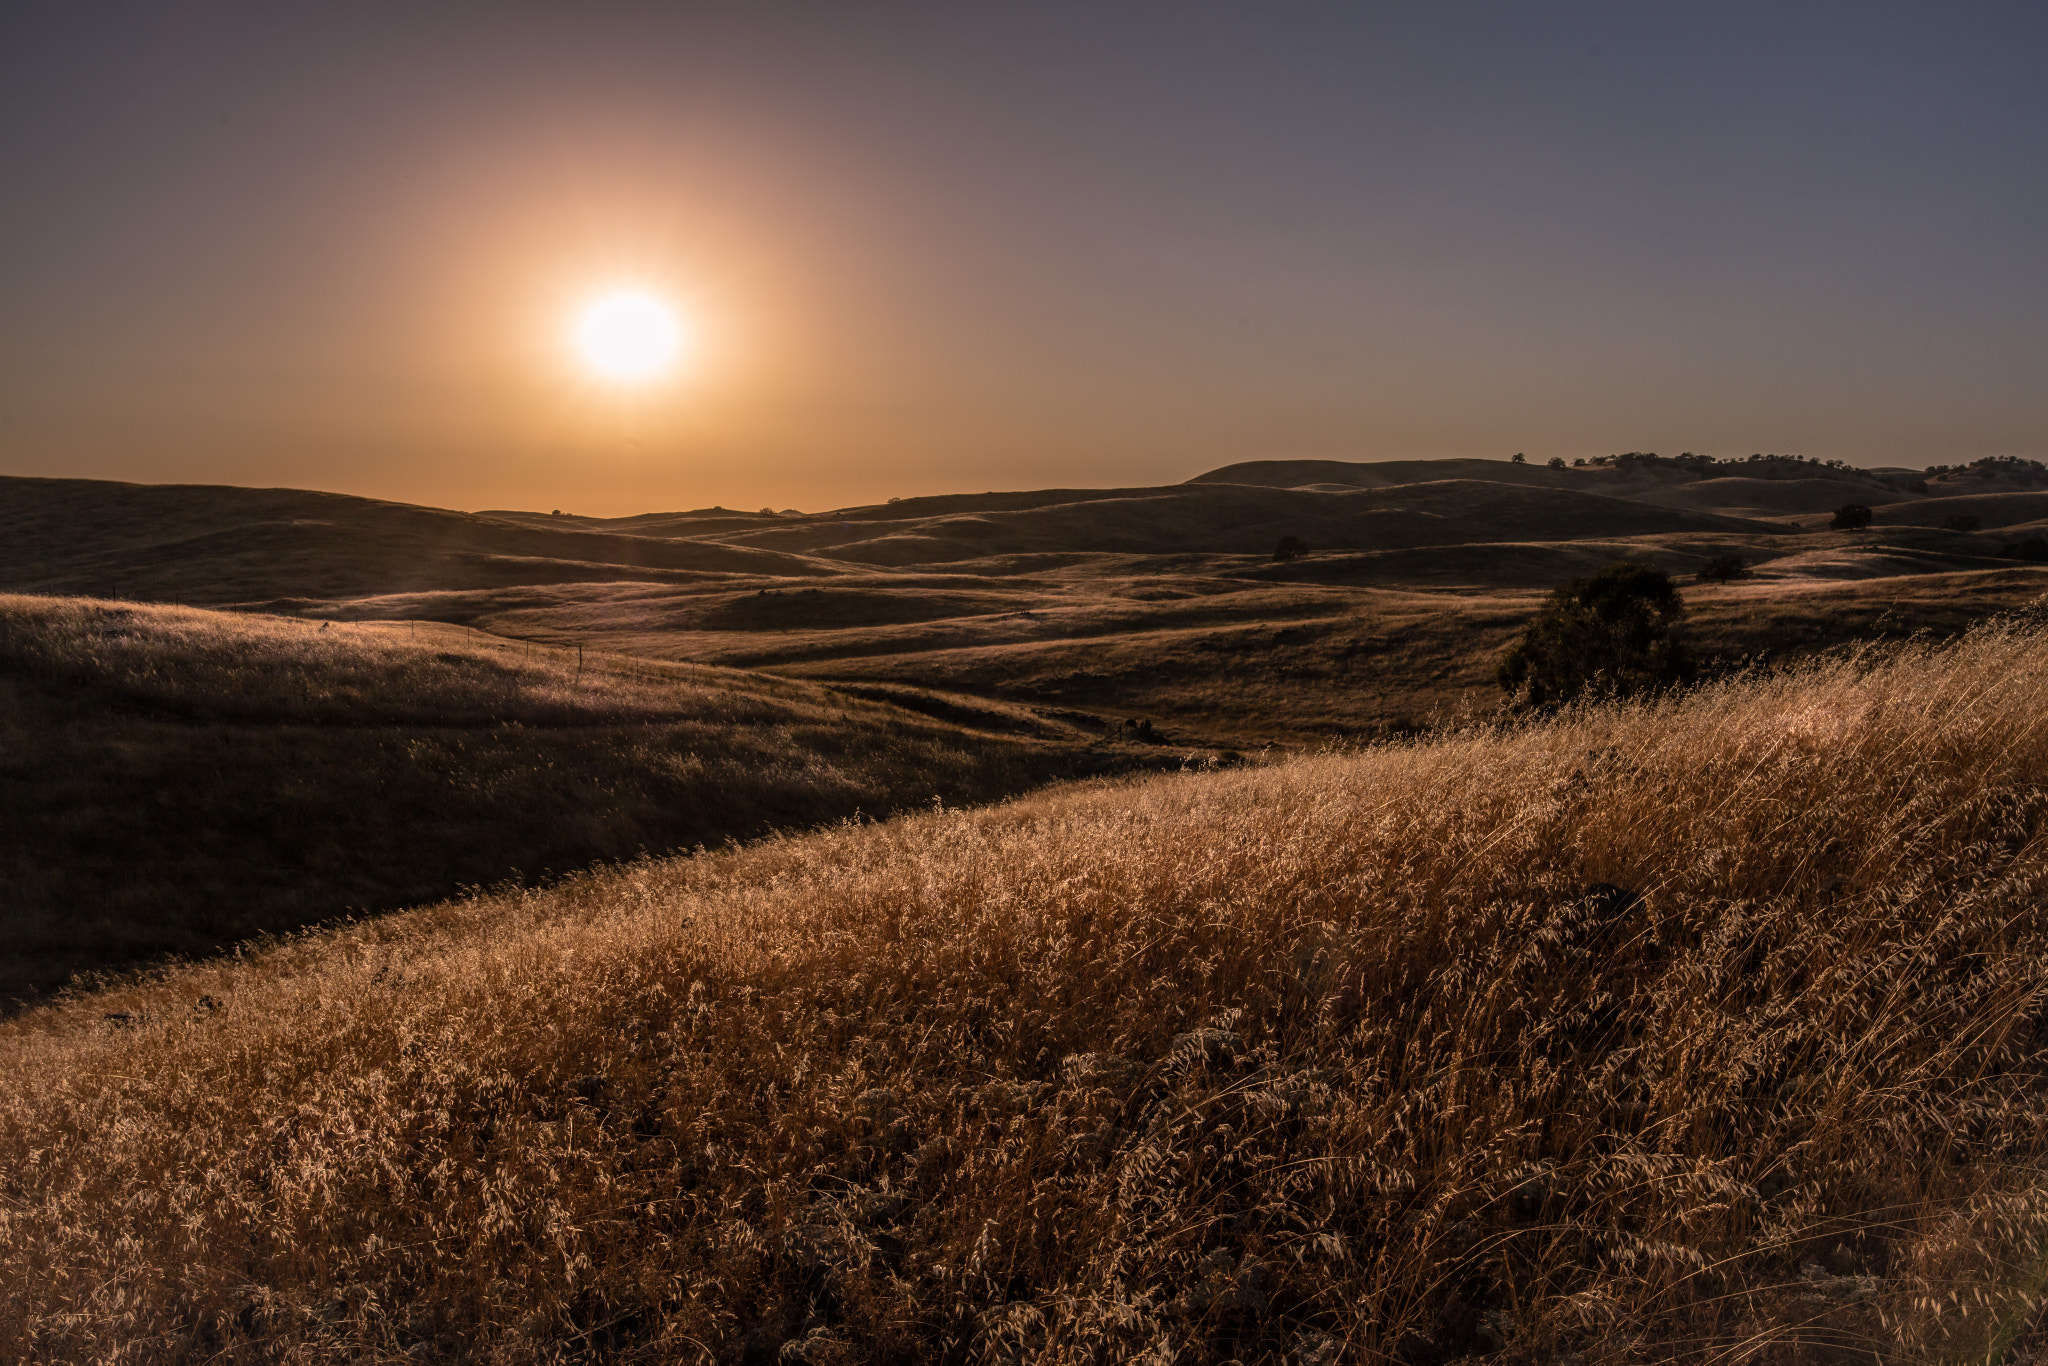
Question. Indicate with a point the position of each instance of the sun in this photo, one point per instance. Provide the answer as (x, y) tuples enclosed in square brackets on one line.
[(628, 335)]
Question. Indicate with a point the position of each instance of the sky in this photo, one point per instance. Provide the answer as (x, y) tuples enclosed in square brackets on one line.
[(954, 247)]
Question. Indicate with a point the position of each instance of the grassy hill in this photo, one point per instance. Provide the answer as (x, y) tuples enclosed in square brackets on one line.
[(212, 544), (156, 807), (217, 545), (1708, 1031), (175, 780), (1770, 497), (1236, 519), (1649, 478), (1379, 474)]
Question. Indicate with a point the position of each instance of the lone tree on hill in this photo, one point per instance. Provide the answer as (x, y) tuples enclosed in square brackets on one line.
[(1290, 547), (1850, 517), (1612, 634)]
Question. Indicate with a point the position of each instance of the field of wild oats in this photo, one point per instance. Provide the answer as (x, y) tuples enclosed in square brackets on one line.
[(173, 780), (1708, 1031)]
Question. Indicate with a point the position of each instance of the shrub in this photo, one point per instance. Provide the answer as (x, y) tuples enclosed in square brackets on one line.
[(2032, 548), (1850, 517), (1290, 547), (1615, 633), (1722, 568), (1963, 521)]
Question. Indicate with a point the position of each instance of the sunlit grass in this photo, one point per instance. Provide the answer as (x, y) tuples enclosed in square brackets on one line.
[(174, 780), (1708, 1031)]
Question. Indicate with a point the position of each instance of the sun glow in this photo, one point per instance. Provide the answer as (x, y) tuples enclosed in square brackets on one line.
[(628, 336)]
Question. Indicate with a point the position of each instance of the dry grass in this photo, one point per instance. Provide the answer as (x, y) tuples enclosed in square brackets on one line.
[(210, 665), (1711, 1031), (175, 780), (216, 544)]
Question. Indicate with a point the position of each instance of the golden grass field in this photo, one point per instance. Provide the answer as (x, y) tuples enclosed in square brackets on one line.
[(382, 706), (1710, 1030), (175, 780)]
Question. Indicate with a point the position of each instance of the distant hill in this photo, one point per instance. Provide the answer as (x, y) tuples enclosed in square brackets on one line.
[(214, 545), (1626, 476), (1226, 519), (1379, 474), (1768, 497), (217, 544), (1993, 510)]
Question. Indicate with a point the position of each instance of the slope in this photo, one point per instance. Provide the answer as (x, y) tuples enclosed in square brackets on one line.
[(1737, 496), (208, 544), (1225, 519), (174, 780), (1695, 1033)]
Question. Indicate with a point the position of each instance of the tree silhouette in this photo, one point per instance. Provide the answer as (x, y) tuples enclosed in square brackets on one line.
[(1615, 633), (1850, 517), (1290, 547)]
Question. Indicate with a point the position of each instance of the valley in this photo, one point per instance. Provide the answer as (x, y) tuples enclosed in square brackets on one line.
[(233, 712)]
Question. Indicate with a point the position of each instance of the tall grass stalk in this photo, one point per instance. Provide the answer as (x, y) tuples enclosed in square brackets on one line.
[(1709, 1030)]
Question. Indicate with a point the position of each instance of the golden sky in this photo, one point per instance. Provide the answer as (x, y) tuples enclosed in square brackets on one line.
[(934, 248)]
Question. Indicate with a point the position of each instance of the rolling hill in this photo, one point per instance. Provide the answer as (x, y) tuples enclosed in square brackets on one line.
[(175, 780), (1703, 1031), (215, 545), (965, 646), (212, 545)]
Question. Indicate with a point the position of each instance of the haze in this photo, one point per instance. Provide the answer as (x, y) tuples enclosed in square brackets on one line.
[(930, 249)]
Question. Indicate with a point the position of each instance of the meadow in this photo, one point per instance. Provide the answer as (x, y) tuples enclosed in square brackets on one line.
[(175, 780), (1707, 1030), (1091, 607)]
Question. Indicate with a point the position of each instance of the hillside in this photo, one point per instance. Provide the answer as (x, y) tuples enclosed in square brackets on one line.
[(1701, 1032), (213, 545), (176, 780), (1380, 474), (1231, 519), (1770, 497), (1646, 477)]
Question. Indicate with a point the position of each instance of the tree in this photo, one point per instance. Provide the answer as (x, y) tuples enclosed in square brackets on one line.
[(2032, 548), (1963, 521), (1850, 517), (1290, 547), (1616, 633), (1519, 459), (1555, 462), (1722, 568)]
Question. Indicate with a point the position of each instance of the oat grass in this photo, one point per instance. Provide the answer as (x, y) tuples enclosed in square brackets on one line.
[(1705, 1031)]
